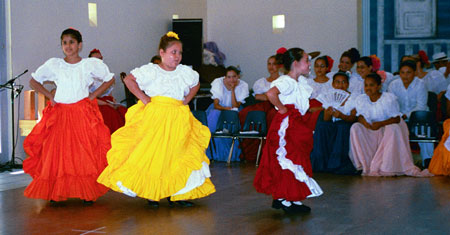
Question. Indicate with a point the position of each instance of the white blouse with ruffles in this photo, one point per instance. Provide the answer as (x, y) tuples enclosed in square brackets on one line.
[(261, 86), (435, 81), (72, 80), (293, 92), (319, 88), (384, 108), (155, 81), (412, 99), (220, 92)]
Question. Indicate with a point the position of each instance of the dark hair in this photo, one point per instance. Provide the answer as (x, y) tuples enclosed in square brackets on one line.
[(324, 58), (375, 77), (367, 60), (73, 33), (353, 54), (154, 58), (95, 50), (232, 68), (167, 41), (291, 55), (273, 57), (409, 63), (341, 74)]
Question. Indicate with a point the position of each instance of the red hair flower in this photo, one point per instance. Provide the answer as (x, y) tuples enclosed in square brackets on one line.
[(376, 63), (95, 50), (281, 50), (330, 64), (423, 57), (382, 75)]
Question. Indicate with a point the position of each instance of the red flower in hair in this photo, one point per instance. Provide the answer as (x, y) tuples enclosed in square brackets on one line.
[(376, 63), (281, 50), (423, 57), (95, 50), (330, 64), (382, 75)]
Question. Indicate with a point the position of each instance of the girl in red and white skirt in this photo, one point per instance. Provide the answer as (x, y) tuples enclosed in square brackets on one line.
[(285, 170)]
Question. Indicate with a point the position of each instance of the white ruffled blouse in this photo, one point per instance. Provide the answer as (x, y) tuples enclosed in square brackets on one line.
[(412, 99), (319, 88), (293, 92), (220, 92), (435, 81), (261, 86), (72, 80), (384, 108), (155, 81)]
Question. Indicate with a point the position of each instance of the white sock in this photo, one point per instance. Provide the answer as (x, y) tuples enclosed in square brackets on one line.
[(298, 203), (286, 203)]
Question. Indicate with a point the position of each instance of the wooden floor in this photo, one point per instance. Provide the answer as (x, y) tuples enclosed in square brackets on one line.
[(349, 205)]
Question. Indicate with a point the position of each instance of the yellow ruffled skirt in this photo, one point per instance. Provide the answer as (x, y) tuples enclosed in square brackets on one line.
[(159, 153)]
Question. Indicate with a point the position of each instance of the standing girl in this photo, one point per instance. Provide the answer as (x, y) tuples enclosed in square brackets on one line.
[(160, 152), (285, 169), (67, 148)]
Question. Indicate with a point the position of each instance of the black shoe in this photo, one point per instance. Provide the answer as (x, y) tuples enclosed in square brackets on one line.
[(88, 202), (180, 203), (300, 208), (426, 163), (153, 203), (276, 204), (51, 201)]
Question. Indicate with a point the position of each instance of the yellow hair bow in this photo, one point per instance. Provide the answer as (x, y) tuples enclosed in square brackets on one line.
[(172, 35)]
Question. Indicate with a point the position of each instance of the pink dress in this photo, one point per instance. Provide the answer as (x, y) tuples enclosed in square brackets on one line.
[(386, 151)]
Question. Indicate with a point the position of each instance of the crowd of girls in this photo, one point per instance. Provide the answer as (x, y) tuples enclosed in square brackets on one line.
[(335, 121)]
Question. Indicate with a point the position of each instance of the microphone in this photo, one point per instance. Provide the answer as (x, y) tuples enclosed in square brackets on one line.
[(16, 77)]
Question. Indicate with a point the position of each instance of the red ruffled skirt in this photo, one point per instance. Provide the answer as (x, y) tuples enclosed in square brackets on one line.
[(285, 168), (67, 152), (114, 118)]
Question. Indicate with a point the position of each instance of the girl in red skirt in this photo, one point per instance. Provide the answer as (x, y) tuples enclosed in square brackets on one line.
[(285, 169), (67, 148)]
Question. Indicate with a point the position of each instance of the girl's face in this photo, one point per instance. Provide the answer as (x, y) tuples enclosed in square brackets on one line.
[(171, 57), (272, 66), (362, 69), (371, 87), (320, 67), (340, 82), (70, 45), (345, 64), (302, 66), (231, 79), (407, 75)]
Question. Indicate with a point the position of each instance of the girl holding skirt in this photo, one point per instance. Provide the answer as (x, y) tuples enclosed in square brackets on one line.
[(67, 148), (160, 152), (285, 168)]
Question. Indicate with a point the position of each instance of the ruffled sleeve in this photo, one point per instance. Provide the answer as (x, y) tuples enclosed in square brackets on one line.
[(259, 86), (242, 91), (391, 105), (436, 82), (144, 75), (283, 85), (99, 70), (190, 76), (46, 71), (217, 88)]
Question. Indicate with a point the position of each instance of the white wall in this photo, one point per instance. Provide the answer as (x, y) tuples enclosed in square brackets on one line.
[(243, 30), (128, 32)]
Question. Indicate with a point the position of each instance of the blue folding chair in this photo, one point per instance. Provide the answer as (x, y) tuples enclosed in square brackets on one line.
[(201, 116), (423, 127), (228, 126), (255, 127)]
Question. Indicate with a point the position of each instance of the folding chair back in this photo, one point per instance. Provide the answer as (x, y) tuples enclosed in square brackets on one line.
[(256, 121), (423, 126), (228, 122)]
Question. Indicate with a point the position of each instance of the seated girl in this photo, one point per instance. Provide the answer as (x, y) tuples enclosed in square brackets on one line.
[(371, 64), (434, 80), (228, 93), (346, 63), (321, 83), (379, 141), (249, 147), (332, 133)]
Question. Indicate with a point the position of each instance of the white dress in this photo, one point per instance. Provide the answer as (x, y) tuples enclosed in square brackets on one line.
[(319, 88), (261, 86), (72, 80), (435, 81), (220, 92), (356, 85), (384, 108), (412, 99), (155, 81), (293, 92)]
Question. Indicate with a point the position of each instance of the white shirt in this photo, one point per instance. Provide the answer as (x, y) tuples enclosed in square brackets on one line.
[(319, 88), (72, 80), (447, 93), (155, 81), (349, 105), (356, 84), (384, 108), (293, 92), (261, 86), (96, 84), (435, 81), (389, 78), (412, 99), (220, 92)]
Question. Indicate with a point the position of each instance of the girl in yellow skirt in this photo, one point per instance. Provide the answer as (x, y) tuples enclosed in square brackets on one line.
[(160, 152)]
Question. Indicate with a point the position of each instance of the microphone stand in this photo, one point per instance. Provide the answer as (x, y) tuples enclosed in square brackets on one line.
[(15, 92)]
